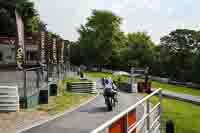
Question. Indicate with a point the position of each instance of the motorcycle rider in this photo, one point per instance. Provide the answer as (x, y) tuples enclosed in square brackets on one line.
[(110, 88)]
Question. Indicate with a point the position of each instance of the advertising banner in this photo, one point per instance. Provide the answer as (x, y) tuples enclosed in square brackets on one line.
[(54, 51), (42, 48), (20, 55), (62, 52)]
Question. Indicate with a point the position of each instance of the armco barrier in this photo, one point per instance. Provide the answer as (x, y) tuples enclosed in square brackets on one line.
[(126, 121), (9, 98), (83, 87)]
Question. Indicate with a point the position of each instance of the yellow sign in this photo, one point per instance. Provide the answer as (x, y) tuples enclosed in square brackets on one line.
[(19, 57), (42, 56)]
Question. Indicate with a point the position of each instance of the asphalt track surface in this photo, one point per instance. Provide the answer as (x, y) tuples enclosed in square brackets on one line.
[(88, 117)]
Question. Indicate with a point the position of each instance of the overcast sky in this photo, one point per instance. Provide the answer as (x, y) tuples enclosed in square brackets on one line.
[(157, 17)]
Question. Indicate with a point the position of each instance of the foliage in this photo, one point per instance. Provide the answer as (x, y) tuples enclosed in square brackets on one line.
[(25, 8), (196, 66), (140, 49), (75, 53), (177, 56), (99, 37), (177, 53)]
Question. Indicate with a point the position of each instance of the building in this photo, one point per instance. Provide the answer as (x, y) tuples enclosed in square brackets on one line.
[(8, 46)]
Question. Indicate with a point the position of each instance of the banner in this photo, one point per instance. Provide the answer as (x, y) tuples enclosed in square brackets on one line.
[(20, 55), (62, 52), (54, 51), (42, 48), (48, 48)]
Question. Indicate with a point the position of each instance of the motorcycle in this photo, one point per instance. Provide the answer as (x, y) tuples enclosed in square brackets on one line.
[(111, 101)]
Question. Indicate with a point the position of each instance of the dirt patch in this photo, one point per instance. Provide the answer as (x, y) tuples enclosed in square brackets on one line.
[(13, 121)]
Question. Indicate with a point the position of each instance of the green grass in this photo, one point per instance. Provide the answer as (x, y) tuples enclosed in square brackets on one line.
[(69, 80), (61, 103), (98, 74), (102, 74), (65, 101), (177, 89), (155, 84), (186, 116)]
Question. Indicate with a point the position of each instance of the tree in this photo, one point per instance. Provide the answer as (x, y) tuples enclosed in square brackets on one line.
[(75, 53), (140, 49), (25, 9), (8, 26), (177, 53), (196, 66), (99, 37)]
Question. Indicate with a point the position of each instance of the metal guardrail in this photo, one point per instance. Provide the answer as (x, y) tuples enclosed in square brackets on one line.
[(83, 87), (9, 98), (151, 127)]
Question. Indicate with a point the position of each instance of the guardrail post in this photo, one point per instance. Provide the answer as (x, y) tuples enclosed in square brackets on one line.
[(126, 123), (148, 113), (25, 91), (105, 130), (160, 110), (58, 70), (38, 79), (47, 73)]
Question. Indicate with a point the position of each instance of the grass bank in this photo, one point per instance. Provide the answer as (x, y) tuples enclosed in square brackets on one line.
[(65, 100), (155, 84), (177, 89), (185, 115)]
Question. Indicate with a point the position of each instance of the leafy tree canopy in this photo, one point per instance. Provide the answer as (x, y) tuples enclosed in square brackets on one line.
[(100, 36), (25, 8)]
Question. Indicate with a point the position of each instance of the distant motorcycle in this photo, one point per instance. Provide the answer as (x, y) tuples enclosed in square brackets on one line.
[(110, 93)]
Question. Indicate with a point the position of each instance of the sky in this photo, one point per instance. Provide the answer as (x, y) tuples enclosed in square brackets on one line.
[(156, 17)]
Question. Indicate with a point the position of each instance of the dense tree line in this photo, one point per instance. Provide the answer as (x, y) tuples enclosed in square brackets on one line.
[(30, 17), (103, 44)]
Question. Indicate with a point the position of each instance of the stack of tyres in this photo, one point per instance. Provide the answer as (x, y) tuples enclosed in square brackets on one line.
[(144, 88), (43, 97), (53, 90)]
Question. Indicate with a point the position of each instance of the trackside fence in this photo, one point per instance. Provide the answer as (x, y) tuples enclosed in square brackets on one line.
[(9, 98), (126, 121)]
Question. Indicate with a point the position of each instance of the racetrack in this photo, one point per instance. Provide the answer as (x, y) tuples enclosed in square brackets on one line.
[(88, 117)]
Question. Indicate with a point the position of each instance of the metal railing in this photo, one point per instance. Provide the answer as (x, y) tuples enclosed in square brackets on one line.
[(33, 79), (151, 126)]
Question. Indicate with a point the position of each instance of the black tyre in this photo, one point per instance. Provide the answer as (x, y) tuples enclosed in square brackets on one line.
[(112, 101), (109, 104)]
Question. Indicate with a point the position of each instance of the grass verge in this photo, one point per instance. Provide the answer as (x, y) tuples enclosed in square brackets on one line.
[(65, 101), (177, 89), (155, 84), (184, 115), (61, 103)]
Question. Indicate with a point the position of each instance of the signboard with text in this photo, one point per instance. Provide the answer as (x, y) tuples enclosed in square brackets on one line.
[(20, 55), (42, 48), (54, 50)]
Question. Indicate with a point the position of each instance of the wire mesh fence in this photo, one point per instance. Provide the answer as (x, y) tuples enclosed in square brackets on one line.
[(31, 81)]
